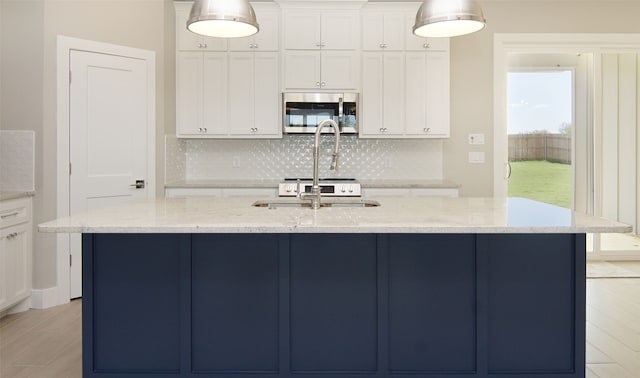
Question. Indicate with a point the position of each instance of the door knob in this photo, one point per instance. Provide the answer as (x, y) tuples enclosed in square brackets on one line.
[(138, 185)]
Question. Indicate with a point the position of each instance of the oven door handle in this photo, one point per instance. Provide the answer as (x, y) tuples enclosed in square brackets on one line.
[(340, 112)]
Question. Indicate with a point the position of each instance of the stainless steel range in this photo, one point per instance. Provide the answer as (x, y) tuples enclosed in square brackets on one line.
[(329, 187)]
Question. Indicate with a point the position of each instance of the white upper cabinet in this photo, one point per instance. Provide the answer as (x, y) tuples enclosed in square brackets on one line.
[(232, 93), (201, 81), (383, 31), (253, 96), (314, 29), (268, 38), (405, 85), (427, 94), (382, 101), (188, 41), (321, 48)]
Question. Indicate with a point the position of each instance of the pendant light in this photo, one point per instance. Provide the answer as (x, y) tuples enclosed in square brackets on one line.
[(223, 18), (448, 18)]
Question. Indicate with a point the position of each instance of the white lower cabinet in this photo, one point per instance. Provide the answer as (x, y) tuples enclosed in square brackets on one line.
[(16, 240)]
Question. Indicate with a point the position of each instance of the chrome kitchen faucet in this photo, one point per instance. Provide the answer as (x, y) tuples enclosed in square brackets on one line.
[(314, 196)]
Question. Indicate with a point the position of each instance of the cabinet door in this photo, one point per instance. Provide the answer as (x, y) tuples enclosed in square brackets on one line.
[(383, 31), (267, 39), (427, 107), (189, 88), (416, 93), (302, 30), (371, 100), (214, 104), (241, 93), (394, 31), (339, 70), (393, 94), (340, 30), (15, 259), (382, 94), (302, 70), (437, 99), (267, 94), (372, 31)]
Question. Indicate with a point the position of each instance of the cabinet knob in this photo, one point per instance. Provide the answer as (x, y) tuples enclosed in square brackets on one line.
[(426, 129), (318, 44), (426, 45), (383, 129), (317, 83), (322, 84)]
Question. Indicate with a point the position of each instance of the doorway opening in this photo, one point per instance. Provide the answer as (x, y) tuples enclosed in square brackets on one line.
[(540, 121), (604, 130)]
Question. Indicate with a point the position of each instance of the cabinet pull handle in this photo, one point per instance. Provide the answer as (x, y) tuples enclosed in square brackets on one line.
[(15, 213)]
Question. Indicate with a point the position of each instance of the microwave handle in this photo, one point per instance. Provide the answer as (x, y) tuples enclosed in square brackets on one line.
[(340, 112)]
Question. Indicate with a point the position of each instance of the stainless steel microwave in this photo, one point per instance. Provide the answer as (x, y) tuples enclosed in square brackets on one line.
[(302, 112)]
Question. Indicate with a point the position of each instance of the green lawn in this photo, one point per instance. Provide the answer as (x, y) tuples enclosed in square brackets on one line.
[(541, 181)]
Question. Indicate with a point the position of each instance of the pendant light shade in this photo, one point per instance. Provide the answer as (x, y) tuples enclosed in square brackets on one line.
[(223, 18), (448, 18)]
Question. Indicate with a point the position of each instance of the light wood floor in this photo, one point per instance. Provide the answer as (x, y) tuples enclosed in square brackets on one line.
[(47, 343)]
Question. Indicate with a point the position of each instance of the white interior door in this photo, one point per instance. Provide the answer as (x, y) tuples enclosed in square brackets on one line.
[(109, 160)]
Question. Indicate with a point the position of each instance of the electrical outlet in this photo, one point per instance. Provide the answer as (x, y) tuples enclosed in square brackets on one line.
[(235, 162), (476, 138)]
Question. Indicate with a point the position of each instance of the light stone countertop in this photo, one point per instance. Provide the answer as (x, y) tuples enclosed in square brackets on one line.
[(14, 195), (395, 215)]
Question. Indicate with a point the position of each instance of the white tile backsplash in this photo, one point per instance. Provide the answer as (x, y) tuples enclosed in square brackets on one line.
[(17, 161), (292, 156)]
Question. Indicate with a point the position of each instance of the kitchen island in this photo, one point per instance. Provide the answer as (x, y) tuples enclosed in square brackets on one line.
[(418, 287)]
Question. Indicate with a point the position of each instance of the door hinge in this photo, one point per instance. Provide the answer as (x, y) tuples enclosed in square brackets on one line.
[(70, 260), (69, 168), (69, 76)]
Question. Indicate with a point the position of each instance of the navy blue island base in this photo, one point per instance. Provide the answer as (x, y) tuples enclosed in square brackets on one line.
[(334, 305)]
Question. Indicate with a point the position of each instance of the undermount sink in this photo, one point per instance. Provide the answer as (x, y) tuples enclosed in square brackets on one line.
[(326, 202)]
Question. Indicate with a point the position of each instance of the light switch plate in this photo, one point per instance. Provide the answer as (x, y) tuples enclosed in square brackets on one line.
[(476, 138), (476, 157)]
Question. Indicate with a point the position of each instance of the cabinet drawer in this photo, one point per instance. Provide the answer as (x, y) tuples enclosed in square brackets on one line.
[(14, 212)]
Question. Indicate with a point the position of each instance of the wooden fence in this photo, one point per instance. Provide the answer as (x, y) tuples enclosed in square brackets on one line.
[(550, 147)]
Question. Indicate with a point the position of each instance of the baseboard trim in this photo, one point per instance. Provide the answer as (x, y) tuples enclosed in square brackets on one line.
[(44, 298)]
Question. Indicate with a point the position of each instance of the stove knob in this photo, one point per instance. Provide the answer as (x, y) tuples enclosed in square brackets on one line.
[(350, 188), (343, 189)]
